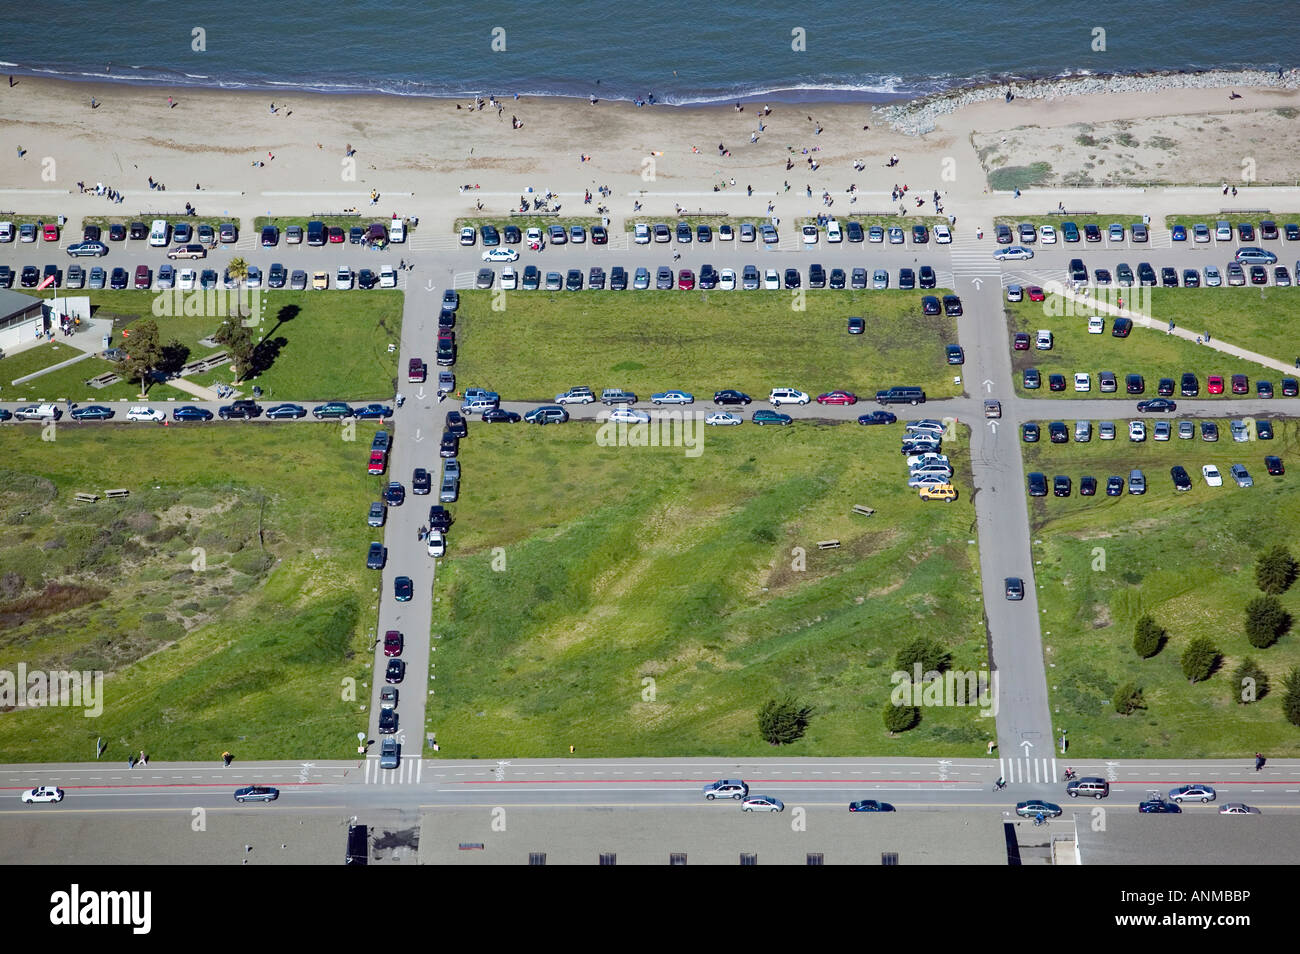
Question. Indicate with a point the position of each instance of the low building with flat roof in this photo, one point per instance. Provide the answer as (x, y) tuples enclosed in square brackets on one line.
[(22, 319)]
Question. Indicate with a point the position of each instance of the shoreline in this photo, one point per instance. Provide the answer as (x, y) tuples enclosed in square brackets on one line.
[(910, 111)]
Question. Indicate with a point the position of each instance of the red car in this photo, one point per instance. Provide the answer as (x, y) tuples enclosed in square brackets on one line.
[(685, 279), (1214, 384), (143, 277), (837, 397), (1021, 341), (336, 235), (446, 334), (393, 643), (1240, 384), (1035, 293), (50, 233), (416, 370)]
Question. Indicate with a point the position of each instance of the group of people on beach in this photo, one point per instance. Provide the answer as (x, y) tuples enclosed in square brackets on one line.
[(113, 195)]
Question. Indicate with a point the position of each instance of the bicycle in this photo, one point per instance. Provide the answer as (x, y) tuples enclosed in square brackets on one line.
[(1039, 820)]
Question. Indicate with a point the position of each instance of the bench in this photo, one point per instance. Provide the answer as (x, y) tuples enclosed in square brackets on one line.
[(701, 214), (1245, 212), (86, 498), (104, 380), (864, 511), (118, 492), (354, 214), (828, 544), (514, 214), (1072, 212)]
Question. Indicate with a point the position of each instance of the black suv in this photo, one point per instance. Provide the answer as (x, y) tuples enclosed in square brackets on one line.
[(1037, 485), (450, 445), (1134, 384), (439, 518), (240, 410), (421, 481), (816, 276), (456, 424), (1190, 386)]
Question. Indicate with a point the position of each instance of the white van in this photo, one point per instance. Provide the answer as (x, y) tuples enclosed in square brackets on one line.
[(397, 230), (833, 233), (158, 233)]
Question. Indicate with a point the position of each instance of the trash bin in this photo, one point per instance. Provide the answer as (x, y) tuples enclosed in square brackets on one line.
[(107, 340)]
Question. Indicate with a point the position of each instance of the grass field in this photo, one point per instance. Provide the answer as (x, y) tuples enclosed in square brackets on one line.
[(1185, 558), (330, 345), (1254, 218), (25, 218), (649, 602), (1147, 351), (247, 650), (647, 341), (1104, 222)]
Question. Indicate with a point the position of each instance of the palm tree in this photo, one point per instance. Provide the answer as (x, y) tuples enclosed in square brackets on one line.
[(238, 268)]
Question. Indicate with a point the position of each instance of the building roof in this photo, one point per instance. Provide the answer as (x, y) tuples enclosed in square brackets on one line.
[(12, 302)]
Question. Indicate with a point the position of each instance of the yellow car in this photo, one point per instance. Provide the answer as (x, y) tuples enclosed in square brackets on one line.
[(938, 492), (320, 281)]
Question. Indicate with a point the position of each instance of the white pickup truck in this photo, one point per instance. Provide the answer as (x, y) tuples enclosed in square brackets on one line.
[(38, 412)]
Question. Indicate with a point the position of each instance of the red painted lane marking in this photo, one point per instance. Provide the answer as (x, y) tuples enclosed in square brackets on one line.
[(83, 788), (765, 781)]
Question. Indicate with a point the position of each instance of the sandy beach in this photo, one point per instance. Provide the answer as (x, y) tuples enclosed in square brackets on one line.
[(229, 153)]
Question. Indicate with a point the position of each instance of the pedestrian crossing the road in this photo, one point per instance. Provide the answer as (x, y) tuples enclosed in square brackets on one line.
[(408, 772)]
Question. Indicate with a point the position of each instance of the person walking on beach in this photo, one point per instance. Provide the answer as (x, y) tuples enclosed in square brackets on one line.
[(171, 103)]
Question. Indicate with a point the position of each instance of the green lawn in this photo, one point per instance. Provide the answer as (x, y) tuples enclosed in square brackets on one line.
[(1254, 218), (330, 345), (250, 650), (647, 341), (647, 602), (1185, 558), (1103, 222), (1147, 351), (25, 219)]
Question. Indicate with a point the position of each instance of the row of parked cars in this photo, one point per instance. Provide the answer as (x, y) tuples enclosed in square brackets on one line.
[(750, 278), (1189, 385), (1242, 430), (241, 410), (1027, 233), (1248, 264), (189, 279), (1063, 486), (929, 471), (316, 234)]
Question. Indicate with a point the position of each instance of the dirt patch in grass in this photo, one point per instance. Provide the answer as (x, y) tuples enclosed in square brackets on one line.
[(55, 598)]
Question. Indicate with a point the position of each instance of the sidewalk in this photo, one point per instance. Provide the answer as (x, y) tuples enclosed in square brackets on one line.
[(1140, 319)]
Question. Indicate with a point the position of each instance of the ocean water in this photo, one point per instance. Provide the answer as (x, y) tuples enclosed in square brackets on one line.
[(684, 53)]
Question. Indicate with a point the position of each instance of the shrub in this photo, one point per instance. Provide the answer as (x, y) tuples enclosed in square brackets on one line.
[(1251, 681), (1275, 570), (1266, 621), (1199, 659), (1128, 698), (1148, 637), (930, 654), (783, 721), (1291, 696), (900, 718)]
